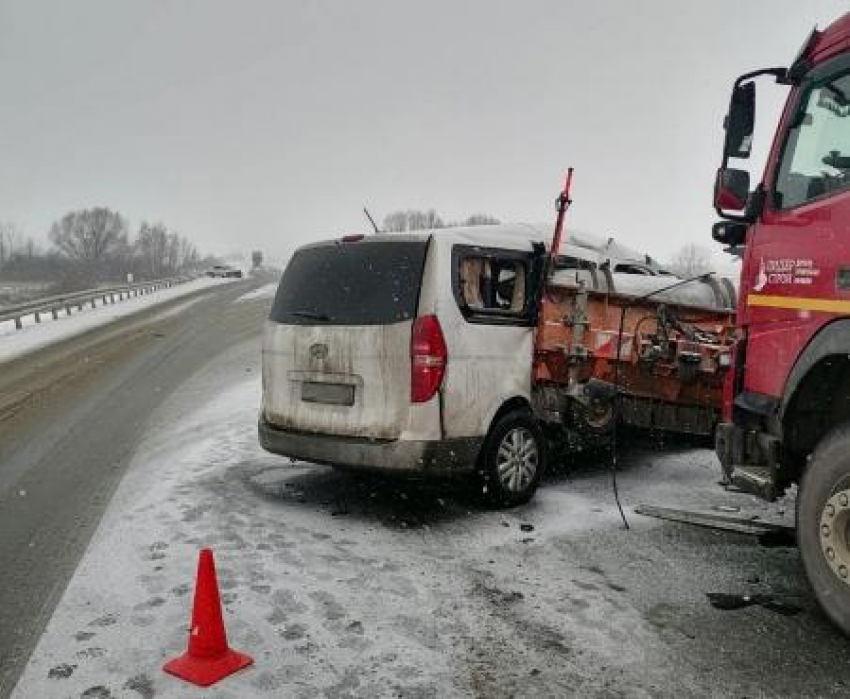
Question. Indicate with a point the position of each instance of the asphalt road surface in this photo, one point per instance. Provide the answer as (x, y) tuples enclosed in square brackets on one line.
[(70, 415)]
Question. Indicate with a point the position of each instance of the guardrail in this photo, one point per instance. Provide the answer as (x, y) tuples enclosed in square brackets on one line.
[(54, 304)]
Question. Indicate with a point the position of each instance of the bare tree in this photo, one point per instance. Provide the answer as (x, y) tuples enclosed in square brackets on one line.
[(10, 240), (160, 251), (31, 248), (412, 220), (691, 260), (480, 220), (172, 253), (90, 235), (418, 220), (188, 254), (152, 248)]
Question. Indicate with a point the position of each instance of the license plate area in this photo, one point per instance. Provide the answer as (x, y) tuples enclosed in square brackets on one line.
[(327, 393)]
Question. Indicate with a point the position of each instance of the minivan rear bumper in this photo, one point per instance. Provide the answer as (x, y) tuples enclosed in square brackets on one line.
[(437, 457)]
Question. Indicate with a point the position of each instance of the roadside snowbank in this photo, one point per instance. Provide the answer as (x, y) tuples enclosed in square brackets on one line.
[(33, 336), (321, 594), (264, 292)]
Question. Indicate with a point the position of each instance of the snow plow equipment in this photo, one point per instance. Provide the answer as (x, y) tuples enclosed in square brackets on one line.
[(654, 360)]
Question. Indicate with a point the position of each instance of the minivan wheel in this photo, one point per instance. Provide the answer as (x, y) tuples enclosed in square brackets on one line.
[(513, 459)]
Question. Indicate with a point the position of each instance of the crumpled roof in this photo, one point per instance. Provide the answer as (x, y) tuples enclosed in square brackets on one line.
[(605, 247)]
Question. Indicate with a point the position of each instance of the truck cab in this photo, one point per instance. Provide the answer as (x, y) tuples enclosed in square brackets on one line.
[(786, 414)]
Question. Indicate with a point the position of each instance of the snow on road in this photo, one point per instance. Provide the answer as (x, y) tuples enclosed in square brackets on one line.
[(342, 585), (264, 292), (321, 596), (15, 343)]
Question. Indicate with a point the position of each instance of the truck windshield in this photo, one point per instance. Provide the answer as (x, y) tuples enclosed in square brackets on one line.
[(816, 161), (363, 283)]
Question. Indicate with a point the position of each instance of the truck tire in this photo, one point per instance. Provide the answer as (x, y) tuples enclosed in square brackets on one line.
[(513, 459), (823, 525)]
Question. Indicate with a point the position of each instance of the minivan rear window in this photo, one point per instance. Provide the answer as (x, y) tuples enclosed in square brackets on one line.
[(359, 283)]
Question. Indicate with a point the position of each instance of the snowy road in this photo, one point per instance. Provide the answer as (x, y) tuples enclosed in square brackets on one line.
[(342, 586), (70, 418), (33, 336)]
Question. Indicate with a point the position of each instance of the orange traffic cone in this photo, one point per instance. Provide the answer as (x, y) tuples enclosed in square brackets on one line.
[(208, 658)]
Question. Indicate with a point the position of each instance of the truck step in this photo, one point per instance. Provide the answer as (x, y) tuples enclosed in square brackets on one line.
[(758, 480)]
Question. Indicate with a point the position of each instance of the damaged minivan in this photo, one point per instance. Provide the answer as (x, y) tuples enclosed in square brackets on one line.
[(409, 352)]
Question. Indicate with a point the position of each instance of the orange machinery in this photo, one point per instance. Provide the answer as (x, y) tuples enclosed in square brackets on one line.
[(656, 361)]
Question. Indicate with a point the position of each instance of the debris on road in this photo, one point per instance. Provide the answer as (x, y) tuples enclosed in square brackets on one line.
[(62, 672), (731, 602), (704, 519), (779, 539)]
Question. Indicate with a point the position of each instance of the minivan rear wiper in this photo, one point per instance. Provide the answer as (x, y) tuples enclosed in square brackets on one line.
[(311, 315)]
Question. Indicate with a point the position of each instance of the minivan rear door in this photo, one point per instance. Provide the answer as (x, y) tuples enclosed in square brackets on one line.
[(336, 349)]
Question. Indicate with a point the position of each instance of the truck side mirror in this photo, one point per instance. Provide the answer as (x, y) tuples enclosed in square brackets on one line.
[(731, 233), (731, 189), (740, 121)]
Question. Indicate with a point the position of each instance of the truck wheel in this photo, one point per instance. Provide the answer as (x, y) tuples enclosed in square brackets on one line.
[(823, 525), (513, 459)]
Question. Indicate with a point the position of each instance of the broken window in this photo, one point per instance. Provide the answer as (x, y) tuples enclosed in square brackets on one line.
[(471, 281), (491, 284), (508, 285)]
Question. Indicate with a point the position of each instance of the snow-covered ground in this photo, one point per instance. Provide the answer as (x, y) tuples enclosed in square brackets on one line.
[(19, 292), (340, 585), (266, 291), (15, 343), (320, 598)]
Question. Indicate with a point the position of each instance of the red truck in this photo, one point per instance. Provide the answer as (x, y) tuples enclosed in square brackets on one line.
[(786, 403)]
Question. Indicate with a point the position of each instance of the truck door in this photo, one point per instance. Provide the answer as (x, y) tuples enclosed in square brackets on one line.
[(798, 259)]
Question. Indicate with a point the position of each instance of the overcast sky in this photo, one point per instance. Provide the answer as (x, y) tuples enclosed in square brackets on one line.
[(265, 124)]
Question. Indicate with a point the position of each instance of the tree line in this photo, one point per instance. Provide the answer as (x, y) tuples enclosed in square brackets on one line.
[(429, 219), (91, 246)]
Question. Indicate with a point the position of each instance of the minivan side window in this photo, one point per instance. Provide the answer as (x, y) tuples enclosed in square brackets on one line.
[(816, 159), (492, 286)]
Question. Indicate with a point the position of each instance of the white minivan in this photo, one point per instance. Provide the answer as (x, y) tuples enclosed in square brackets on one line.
[(409, 352)]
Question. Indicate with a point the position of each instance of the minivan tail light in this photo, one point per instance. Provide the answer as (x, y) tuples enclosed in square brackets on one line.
[(428, 359)]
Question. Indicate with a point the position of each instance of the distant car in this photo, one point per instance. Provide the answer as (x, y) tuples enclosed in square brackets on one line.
[(224, 271)]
